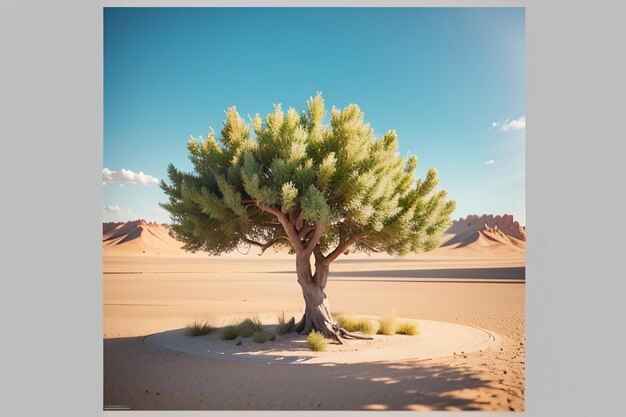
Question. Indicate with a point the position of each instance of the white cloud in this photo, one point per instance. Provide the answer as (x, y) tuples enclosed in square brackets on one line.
[(126, 176), (490, 162), (510, 124), (113, 209), (515, 124)]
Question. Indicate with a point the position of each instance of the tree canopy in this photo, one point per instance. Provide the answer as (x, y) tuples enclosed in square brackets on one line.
[(312, 185)]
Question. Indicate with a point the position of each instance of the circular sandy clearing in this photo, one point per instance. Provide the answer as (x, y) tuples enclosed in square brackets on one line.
[(436, 340)]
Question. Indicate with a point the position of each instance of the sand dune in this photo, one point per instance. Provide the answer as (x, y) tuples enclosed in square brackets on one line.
[(138, 237), (474, 236)]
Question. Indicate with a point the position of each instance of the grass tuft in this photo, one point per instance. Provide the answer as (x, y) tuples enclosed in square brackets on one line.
[(315, 341), (262, 336), (407, 328), (199, 328), (285, 327), (352, 324), (249, 326), (229, 332), (387, 324)]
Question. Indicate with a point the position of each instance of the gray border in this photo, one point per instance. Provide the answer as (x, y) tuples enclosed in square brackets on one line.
[(51, 106)]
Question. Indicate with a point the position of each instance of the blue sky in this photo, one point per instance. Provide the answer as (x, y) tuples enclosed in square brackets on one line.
[(450, 81)]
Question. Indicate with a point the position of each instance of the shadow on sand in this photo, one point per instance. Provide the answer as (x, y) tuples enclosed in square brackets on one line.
[(468, 273), (510, 273), (150, 379), (399, 260)]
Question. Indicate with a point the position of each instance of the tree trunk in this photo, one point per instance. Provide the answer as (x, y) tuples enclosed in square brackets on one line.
[(317, 315)]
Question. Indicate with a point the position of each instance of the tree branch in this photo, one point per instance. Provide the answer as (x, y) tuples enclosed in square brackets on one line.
[(252, 242), (299, 223), (342, 246), (319, 256), (266, 245), (290, 216), (319, 230), (249, 202), (305, 231), (287, 226), (276, 212)]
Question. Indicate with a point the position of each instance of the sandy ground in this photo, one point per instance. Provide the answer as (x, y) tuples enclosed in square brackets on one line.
[(145, 294)]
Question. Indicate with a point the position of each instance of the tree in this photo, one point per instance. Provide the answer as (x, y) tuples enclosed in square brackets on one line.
[(321, 190)]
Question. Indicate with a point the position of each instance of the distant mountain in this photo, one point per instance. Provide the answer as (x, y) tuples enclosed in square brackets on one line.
[(485, 232), (138, 236)]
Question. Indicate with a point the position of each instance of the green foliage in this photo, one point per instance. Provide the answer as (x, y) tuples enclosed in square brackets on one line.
[(249, 326), (285, 327), (407, 328), (314, 206), (316, 341), (289, 192), (198, 328), (337, 176), (229, 332), (387, 324), (262, 336), (352, 324)]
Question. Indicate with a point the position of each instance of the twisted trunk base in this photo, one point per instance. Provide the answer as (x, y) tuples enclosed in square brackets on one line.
[(317, 315)]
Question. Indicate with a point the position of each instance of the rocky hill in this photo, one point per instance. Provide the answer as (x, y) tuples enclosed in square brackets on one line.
[(485, 231)]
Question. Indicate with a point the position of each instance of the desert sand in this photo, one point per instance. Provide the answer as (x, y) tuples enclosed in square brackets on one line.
[(437, 339), (472, 282)]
